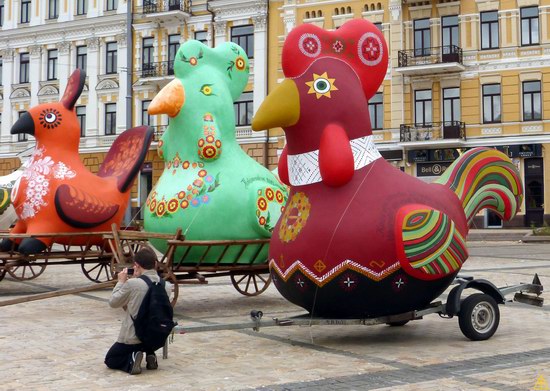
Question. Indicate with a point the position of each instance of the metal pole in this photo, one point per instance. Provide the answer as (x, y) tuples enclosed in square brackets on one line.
[(129, 82)]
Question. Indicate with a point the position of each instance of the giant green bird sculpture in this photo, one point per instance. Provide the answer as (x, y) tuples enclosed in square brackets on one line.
[(210, 188)]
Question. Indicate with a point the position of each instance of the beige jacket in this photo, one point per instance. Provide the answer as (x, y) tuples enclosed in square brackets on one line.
[(131, 294)]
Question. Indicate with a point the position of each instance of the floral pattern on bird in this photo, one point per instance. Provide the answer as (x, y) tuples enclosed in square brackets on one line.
[(295, 217), (38, 174), (268, 202), (195, 194), (210, 147), (124, 157)]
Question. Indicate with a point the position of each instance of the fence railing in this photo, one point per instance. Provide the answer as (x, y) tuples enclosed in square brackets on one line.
[(156, 6), (429, 56), (156, 69), (432, 131)]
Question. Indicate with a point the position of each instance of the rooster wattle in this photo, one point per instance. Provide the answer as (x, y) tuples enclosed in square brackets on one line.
[(360, 238)]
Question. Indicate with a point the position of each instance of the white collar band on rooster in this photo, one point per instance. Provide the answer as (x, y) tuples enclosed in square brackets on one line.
[(303, 169)]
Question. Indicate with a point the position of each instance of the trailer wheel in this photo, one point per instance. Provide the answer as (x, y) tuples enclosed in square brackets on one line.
[(479, 317), (398, 324)]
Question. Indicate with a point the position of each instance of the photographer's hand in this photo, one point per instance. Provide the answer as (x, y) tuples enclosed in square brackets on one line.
[(123, 275)]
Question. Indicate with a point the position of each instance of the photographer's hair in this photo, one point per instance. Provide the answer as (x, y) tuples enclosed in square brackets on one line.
[(146, 258)]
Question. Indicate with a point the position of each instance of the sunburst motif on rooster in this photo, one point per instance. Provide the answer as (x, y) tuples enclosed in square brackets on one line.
[(321, 85)]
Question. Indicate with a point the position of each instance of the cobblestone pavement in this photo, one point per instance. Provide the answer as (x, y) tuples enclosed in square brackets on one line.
[(59, 343)]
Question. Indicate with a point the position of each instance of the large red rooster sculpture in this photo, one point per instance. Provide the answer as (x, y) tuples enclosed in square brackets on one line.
[(57, 193), (360, 238)]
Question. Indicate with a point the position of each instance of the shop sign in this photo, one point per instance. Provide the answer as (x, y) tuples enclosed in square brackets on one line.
[(431, 169)]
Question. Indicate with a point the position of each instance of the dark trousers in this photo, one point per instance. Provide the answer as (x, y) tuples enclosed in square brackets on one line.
[(120, 355)]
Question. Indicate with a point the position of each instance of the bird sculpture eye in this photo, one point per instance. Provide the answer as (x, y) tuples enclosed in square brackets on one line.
[(321, 86), (206, 89), (50, 118)]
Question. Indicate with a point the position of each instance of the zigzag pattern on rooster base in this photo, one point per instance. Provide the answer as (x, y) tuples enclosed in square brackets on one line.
[(348, 264)]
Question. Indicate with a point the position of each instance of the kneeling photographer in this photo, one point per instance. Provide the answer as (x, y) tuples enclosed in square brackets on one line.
[(129, 293)]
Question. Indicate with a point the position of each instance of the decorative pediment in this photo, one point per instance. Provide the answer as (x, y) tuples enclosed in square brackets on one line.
[(20, 93), (107, 84), (48, 90)]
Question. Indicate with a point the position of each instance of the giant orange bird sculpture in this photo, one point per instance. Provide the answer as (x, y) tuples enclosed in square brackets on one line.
[(358, 237), (56, 192)]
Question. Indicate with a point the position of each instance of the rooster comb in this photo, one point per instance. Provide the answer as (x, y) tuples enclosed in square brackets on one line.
[(358, 42)]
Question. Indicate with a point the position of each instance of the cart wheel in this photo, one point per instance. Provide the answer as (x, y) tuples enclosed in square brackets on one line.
[(479, 317), (98, 272), (27, 271), (250, 284), (398, 324)]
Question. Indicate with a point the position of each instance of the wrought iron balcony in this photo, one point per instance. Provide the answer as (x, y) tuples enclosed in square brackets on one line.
[(441, 59), (432, 131), (159, 131), (157, 69), (157, 6)]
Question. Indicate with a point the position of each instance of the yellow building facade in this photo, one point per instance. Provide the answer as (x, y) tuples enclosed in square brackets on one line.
[(461, 74)]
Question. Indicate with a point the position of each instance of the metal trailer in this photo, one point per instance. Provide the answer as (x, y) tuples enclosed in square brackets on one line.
[(478, 314)]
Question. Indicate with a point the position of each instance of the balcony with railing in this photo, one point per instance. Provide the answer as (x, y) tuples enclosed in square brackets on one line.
[(443, 132), (154, 7), (159, 131), (423, 61), (160, 69)]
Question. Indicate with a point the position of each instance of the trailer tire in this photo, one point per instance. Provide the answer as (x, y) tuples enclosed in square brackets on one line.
[(479, 317)]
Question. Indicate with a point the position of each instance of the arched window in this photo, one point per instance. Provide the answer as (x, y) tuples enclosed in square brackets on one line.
[(348, 10), (319, 13), (379, 6), (342, 10), (336, 11), (366, 8), (372, 7), (307, 14), (313, 14)]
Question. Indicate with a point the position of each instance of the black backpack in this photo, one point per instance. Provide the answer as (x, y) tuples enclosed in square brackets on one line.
[(155, 319)]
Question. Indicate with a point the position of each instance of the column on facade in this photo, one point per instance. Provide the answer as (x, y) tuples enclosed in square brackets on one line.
[(123, 74), (7, 79), (220, 28), (93, 67), (63, 64), (397, 82), (260, 60), (35, 72)]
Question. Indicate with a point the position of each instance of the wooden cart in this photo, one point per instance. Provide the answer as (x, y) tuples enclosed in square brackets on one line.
[(248, 272)]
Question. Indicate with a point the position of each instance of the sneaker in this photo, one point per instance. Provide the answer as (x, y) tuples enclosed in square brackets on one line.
[(135, 364), (152, 362)]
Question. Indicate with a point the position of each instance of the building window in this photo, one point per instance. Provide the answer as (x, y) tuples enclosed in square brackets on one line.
[(202, 36), (451, 105), (25, 11), (110, 119), (244, 37), (52, 64), (111, 66), (529, 26), (146, 119), (22, 136), (1, 12), (243, 109), (81, 57), (449, 32), (173, 46), (112, 5), (376, 111), (532, 103), (81, 117), (378, 25), (24, 68), (489, 30), (147, 62), (422, 37), (1, 69), (81, 7), (491, 103), (53, 9), (423, 107)]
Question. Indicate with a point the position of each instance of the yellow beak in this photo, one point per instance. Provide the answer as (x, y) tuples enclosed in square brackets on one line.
[(169, 100), (281, 108)]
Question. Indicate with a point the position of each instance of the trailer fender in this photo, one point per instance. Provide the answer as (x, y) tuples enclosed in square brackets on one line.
[(452, 307)]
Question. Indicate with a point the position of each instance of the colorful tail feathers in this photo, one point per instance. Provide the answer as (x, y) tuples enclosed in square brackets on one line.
[(485, 178)]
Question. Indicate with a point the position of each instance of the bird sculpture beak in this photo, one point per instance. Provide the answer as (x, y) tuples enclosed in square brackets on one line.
[(281, 108), (169, 100), (24, 124)]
